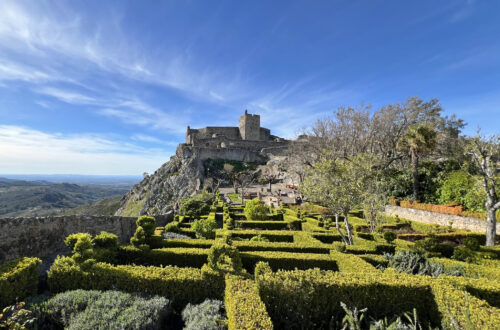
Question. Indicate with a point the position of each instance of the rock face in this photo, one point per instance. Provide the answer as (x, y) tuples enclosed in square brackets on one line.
[(156, 194)]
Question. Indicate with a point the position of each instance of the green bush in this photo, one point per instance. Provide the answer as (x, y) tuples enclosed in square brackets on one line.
[(281, 246), (196, 206), (265, 225), (245, 309), (454, 188), (259, 238), (80, 309), (205, 228), (18, 279), (287, 260), (105, 241), (472, 243), (181, 285), (209, 315), (389, 236), (255, 210), (144, 234), (463, 253), (181, 257), (172, 227), (223, 257)]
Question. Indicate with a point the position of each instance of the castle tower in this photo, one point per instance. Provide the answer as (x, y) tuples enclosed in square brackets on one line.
[(249, 127)]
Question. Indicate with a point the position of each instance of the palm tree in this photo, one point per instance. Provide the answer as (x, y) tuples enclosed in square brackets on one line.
[(419, 140)]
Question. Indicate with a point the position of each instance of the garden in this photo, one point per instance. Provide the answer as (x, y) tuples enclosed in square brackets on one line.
[(224, 266)]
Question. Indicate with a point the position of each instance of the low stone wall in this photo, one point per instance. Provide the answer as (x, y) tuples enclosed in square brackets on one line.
[(44, 236), (472, 224)]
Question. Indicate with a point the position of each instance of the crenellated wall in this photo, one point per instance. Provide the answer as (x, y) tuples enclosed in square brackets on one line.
[(44, 236)]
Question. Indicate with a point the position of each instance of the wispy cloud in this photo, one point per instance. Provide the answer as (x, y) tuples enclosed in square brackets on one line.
[(35, 151)]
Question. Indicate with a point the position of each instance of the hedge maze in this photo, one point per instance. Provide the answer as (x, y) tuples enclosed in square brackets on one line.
[(288, 271)]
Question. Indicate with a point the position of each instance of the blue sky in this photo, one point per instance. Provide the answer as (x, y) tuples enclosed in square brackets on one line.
[(108, 87)]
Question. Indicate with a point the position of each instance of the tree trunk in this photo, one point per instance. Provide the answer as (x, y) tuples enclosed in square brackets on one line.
[(346, 241), (491, 226), (347, 228), (414, 164)]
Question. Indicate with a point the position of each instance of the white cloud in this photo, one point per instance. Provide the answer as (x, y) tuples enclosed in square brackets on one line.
[(31, 151)]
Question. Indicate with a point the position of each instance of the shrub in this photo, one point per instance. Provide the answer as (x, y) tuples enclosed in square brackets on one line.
[(196, 206), (389, 236), (259, 238), (147, 223), (472, 243), (209, 315), (80, 309), (463, 253), (415, 264), (339, 246), (245, 309), (172, 227), (144, 234), (105, 240), (455, 187), (182, 257), (205, 228), (265, 225), (225, 258), (170, 235), (18, 279), (255, 210), (182, 285), (288, 260)]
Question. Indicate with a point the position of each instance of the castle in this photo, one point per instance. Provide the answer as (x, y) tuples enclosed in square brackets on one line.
[(248, 141)]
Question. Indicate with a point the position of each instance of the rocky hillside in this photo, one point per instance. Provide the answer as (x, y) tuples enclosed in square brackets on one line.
[(181, 176)]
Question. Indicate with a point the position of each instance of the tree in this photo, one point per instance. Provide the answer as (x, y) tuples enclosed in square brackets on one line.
[(255, 210), (339, 185), (419, 140), (486, 157), (269, 175)]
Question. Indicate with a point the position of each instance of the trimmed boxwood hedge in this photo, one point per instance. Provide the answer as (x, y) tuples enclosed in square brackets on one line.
[(308, 299), (18, 279), (272, 236), (287, 260), (188, 243), (327, 238), (282, 247), (265, 225), (349, 263), (182, 257), (181, 285), (244, 308)]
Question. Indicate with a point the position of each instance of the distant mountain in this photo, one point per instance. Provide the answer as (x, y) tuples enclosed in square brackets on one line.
[(39, 198), (106, 206), (114, 181)]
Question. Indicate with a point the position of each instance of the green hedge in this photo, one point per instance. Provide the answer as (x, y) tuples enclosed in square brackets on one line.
[(188, 243), (282, 247), (309, 299), (272, 236), (327, 238), (481, 288), (181, 285), (182, 257), (18, 279), (245, 309), (374, 259), (264, 225), (288, 260), (349, 263)]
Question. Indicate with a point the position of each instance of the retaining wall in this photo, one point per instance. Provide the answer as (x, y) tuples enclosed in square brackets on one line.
[(458, 222), (44, 236)]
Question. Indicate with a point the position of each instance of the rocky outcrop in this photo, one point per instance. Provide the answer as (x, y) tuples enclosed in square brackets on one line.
[(156, 194)]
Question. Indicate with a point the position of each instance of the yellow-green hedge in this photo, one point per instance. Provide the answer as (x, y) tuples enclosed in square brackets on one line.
[(264, 225), (271, 235), (245, 309), (282, 247), (287, 260), (350, 263), (18, 279), (188, 243), (182, 285), (182, 257), (308, 298), (490, 272)]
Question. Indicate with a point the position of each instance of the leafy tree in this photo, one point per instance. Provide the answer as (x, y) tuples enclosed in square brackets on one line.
[(486, 157), (455, 187), (196, 205), (255, 210), (419, 140)]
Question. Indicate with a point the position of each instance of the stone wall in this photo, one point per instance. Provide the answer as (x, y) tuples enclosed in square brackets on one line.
[(472, 224), (44, 236)]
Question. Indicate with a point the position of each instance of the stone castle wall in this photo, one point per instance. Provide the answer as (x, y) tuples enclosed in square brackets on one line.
[(249, 127), (433, 218), (44, 236)]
